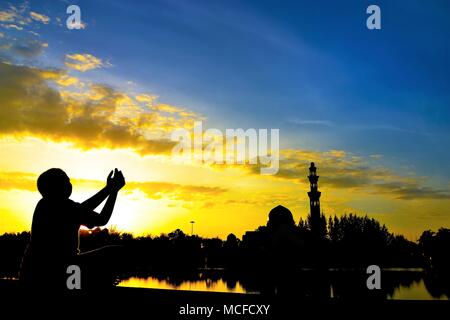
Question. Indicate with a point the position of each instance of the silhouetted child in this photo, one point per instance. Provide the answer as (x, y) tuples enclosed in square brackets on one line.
[(56, 223)]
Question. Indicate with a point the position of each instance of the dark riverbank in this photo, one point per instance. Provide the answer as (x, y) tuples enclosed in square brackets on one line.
[(168, 304)]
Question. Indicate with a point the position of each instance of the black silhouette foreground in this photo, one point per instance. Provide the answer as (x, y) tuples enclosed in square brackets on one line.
[(55, 233), (317, 257)]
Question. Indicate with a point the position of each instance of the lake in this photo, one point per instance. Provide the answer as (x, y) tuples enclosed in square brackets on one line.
[(397, 284)]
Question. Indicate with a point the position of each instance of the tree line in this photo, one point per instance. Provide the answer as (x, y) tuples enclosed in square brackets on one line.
[(348, 241)]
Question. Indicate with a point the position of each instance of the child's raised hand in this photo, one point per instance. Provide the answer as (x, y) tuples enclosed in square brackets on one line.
[(117, 181), (109, 180)]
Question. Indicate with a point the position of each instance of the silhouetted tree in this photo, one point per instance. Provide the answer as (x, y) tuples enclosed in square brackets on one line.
[(358, 240), (435, 247)]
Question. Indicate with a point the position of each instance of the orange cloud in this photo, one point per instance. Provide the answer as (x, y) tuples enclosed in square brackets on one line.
[(15, 17), (39, 17), (83, 62), (174, 191), (152, 189), (7, 16), (340, 170), (96, 117), (18, 181)]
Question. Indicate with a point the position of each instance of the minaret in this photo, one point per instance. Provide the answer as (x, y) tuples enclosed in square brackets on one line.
[(314, 202)]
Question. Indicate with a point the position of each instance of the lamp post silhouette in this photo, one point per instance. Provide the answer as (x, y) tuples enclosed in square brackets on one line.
[(192, 227)]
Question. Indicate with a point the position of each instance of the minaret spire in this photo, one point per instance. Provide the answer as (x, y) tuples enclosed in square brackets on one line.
[(314, 199)]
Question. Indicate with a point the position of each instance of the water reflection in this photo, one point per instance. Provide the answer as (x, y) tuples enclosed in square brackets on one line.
[(200, 285), (398, 284), (415, 291)]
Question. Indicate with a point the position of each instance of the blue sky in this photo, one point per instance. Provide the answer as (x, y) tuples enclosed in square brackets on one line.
[(370, 107), (310, 68)]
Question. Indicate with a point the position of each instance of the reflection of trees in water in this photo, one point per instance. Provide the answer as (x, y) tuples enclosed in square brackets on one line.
[(178, 278), (437, 283), (352, 284), (340, 284), (266, 260)]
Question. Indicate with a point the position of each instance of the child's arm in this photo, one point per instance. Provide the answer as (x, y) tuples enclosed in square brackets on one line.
[(107, 210), (114, 184), (94, 201)]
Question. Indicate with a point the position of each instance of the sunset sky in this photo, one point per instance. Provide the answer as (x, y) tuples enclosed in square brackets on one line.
[(370, 107)]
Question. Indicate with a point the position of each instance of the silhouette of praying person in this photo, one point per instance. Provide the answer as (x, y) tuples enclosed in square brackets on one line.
[(55, 227)]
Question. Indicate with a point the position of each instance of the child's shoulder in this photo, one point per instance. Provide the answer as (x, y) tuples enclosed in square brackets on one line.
[(72, 204), (46, 203)]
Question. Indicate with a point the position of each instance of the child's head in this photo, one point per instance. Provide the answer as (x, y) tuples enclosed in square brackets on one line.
[(54, 183)]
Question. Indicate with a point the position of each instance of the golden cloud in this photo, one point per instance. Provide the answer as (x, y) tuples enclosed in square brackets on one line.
[(174, 191), (96, 117), (83, 62), (341, 170), (16, 17), (7, 16), (60, 77), (67, 81), (152, 189), (18, 181), (146, 98), (39, 17)]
